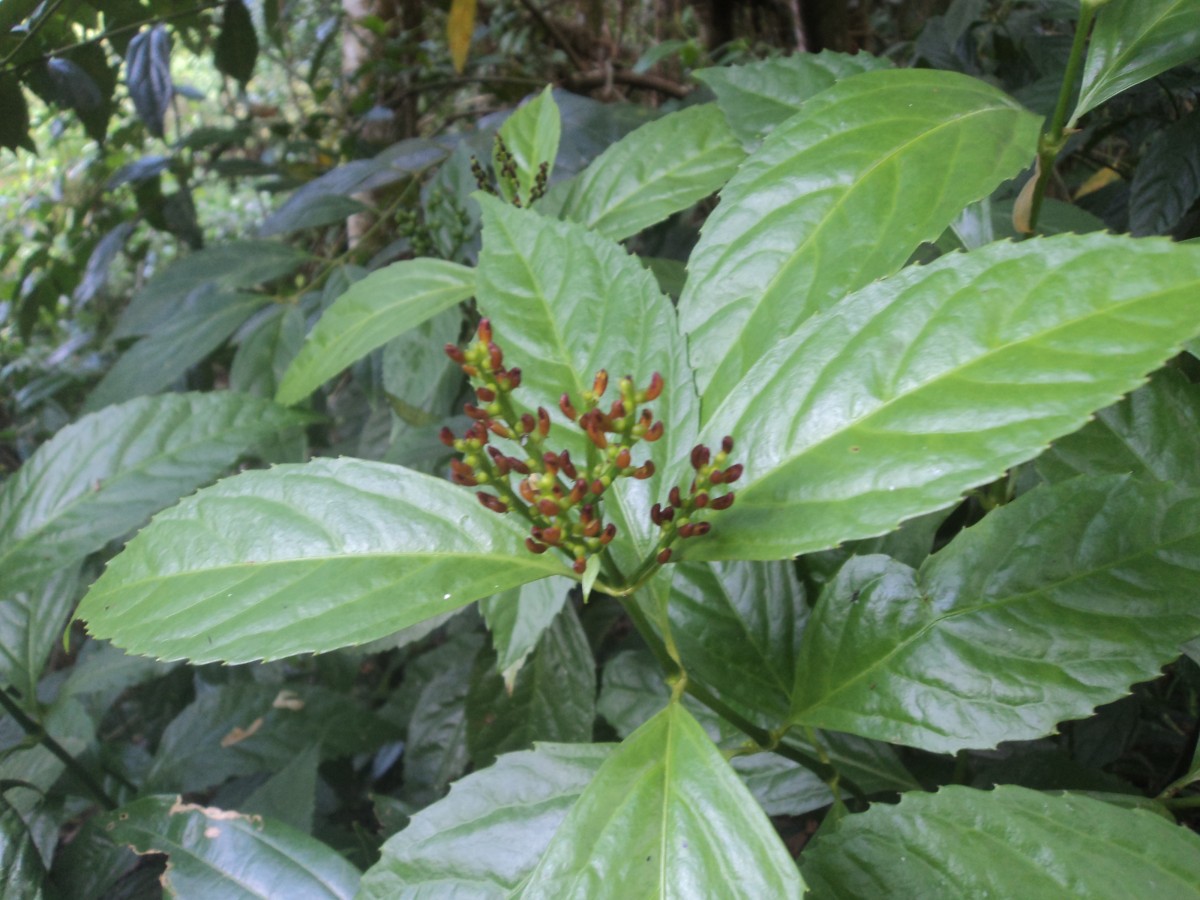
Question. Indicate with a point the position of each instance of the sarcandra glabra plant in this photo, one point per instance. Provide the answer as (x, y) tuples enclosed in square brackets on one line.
[(563, 498)]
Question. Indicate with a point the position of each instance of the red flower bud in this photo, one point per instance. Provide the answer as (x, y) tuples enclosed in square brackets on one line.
[(654, 432), (525, 489), (618, 410), (700, 500), (455, 353), (623, 459), (446, 436), (664, 556), (564, 403), (484, 332), (656, 514), (727, 444), (655, 387), (485, 394), (733, 473), (499, 429), (699, 529), (700, 456), (564, 461), (610, 532), (552, 536), (676, 500), (543, 421), (513, 378), (580, 566), (495, 357), (600, 384), (492, 502), (517, 465), (722, 502), (644, 471), (592, 528), (548, 508), (475, 412), (596, 487), (578, 491), (534, 547), (527, 423)]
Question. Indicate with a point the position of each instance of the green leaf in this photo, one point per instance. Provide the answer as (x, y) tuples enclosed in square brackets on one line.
[(1049, 607), (304, 559), (1007, 842), (21, 868), (220, 853), (31, 623), (665, 816), (565, 303), (1152, 433), (372, 312), (661, 168), (938, 379), (1134, 40), (198, 328), (421, 382), (838, 196), (553, 698), (517, 619), (104, 475), (242, 729), (737, 626), (758, 96), (1167, 180), (490, 831), (14, 115), (531, 135), (236, 48), (222, 269), (290, 795)]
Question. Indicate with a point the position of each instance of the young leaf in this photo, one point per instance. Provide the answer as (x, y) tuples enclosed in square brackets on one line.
[(517, 619), (148, 75), (758, 96), (1167, 180), (738, 626), (222, 853), (1134, 40), (1152, 433), (376, 309), (838, 196), (490, 831), (553, 698), (104, 475), (531, 136), (1007, 842), (1049, 607), (566, 303), (923, 385), (665, 817), (303, 559), (663, 167)]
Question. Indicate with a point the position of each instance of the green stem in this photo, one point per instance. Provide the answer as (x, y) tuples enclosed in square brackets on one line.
[(1051, 142), (35, 729), (1183, 802)]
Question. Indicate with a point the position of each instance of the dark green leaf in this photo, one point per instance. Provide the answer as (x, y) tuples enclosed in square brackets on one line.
[(101, 477), (14, 116), (241, 729), (938, 379), (665, 816), (1049, 607), (303, 559), (31, 623), (236, 47), (290, 795), (266, 347), (837, 197), (490, 831), (1007, 842), (758, 96), (663, 167), (148, 75), (21, 868), (553, 698), (220, 853), (1134, 40), (372, 312), (436, 752), (1152, 433), (738, 628), (199, 327), (1167, 180)]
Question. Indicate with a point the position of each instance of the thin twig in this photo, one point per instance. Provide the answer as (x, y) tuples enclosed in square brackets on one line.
[(588, 80), (554, 32)]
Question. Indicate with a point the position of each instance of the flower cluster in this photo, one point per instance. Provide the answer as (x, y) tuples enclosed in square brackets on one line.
[(506, 174), (560, 496)]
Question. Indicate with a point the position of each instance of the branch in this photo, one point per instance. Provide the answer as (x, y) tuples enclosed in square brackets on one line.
[(598, 78)]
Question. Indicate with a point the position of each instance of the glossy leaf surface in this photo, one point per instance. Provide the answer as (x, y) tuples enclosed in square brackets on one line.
[(1167, 180), (1152, 433), (104, 475), (665, 817), (518, 617), (1134, 40), (565, 303), (839, 196), (661, 168), (303, 559), (1007, 842), (1049, 607), (938, 379), (221, 853), (489, 833), (758, 96), (376, 309)]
